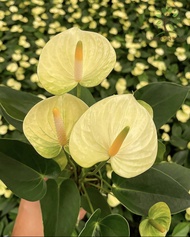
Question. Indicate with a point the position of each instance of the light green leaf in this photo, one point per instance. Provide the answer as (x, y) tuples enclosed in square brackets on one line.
[(165, 98), (181, 229), (158, 221), (60, 208), (147, 107)]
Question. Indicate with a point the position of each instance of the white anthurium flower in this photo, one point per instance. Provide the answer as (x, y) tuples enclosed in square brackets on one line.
[(118, 130), (75, 57), (48, 124)]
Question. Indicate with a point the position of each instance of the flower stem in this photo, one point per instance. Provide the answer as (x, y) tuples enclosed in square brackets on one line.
[(79, 90), (98, 167), (72, 165), (101, 188), (88, 198)]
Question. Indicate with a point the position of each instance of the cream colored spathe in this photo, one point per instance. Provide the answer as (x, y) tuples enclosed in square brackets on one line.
[(48, 124), (96, 130), (75, 57)]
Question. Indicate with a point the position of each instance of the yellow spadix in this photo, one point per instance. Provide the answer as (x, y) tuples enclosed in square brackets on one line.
[(113, 150), (117, 129), (75, 56)]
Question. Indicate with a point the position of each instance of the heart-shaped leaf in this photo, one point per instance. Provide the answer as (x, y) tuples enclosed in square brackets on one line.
[(111, 225), (165, 98), (14, 105), (60, 208), (165, 182), (23, 170)]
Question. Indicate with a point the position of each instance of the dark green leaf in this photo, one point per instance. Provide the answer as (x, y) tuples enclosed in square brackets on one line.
[(7, 204), (97, 201), (23, 170), (114, 225), (111, 225), (60, 208), (92, 226), (85, 95), (15, 105), (180, 157), (161, 152), (164, 97), (165, 182)]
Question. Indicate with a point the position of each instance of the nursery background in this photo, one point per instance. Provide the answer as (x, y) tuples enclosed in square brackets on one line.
[(152, 44)]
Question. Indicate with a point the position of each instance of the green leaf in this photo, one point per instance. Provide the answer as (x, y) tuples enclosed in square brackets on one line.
[(114, 225), (161, 152), (23, 170), (92, 226), (60, 208), (165, 182), (85, 95), (97, 201), (14, 105), (165, 98), (7, 204), (181, 229), (111, 225), (158, 221)]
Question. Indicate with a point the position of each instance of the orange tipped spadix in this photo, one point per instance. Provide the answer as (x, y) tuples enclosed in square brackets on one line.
[(78, 67), (113, 150), (59, 126)]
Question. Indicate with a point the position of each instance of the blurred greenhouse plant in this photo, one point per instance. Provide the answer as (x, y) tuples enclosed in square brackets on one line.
[(152, 44)]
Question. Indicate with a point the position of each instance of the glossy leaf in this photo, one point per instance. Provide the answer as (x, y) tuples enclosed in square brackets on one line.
[(92, 226), (111, 225), (181, 229), (158, 221), (75, 57), (165, 98), (14, 105), (118, 121), (114, 225), (165, 182), (84, 94), (161, 152), (97, 201), (23, 170), (60, 208)]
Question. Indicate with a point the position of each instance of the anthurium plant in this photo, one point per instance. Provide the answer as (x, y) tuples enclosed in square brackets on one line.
[(76, 153)]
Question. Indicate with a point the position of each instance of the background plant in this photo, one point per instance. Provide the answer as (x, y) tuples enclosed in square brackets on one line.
[(147, 51)]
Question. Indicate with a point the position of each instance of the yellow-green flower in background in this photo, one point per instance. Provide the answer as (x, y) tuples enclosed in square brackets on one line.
[(118, 130), (48, 124), (158, 221), (4, 190), (75, 56)]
